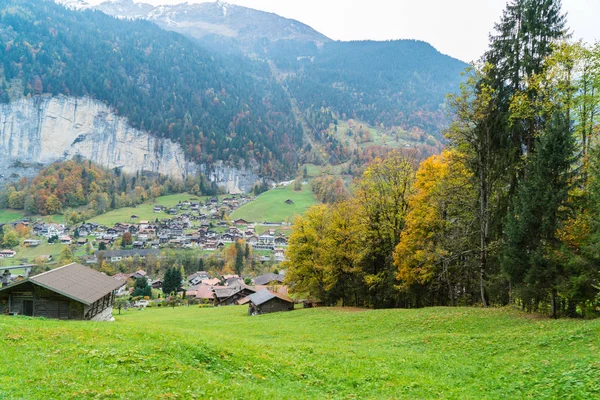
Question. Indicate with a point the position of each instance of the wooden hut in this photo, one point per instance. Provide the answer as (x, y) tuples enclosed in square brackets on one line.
[(69, 292), (265, 301)]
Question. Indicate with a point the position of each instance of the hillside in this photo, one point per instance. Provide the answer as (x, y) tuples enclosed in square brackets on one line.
[(216, 19), (305, 354), (216, 108), (393, 85)]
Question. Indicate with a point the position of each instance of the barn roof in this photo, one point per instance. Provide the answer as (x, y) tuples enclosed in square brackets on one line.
[(261, 297), (76, 282), (270, 277)]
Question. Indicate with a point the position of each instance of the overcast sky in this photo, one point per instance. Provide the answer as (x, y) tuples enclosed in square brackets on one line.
[(455, 27)]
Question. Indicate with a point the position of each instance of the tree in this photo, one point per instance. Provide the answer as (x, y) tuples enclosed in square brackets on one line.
[(142, 288), (11, 239), (53, 205), (102, 246), (120, 302), (435, 255), (126, 239), (171, 281), (383, 194), (66, 256)]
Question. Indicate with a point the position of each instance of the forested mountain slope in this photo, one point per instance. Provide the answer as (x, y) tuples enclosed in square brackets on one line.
[(217, 108)]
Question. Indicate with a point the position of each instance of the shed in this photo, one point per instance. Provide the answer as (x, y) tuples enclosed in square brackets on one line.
[(72, 291), (265, 301)]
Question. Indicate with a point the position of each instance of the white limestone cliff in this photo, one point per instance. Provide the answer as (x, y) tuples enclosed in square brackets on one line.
[(40, 130)]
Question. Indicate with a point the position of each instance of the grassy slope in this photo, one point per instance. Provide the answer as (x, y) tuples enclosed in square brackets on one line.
[(143, 211), (10, 215), (270, 206), (316, 353)]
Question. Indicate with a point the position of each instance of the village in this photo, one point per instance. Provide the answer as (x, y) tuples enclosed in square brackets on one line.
[(199, 228)]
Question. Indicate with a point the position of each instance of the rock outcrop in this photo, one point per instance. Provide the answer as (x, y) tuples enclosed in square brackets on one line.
[(40, 130)]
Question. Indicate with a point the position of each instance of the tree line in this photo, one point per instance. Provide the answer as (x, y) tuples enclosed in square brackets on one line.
[(506, 214)]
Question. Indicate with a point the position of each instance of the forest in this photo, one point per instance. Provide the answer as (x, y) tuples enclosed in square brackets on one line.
[(507, 214), (79, 189), (216, 107)]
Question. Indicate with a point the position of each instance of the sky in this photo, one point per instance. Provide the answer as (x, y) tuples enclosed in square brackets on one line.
[(459, 28)]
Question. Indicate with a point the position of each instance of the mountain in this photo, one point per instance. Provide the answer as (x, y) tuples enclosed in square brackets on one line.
[(394, 85), (202, 20), (214, 108)]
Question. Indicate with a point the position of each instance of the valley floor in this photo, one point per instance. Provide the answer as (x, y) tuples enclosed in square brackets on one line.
[(222, 353)]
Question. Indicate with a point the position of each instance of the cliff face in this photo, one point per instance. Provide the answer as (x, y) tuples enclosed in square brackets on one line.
[(40, 130)]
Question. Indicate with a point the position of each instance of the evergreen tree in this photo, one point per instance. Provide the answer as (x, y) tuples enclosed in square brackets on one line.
[(536, 215), (142, 288), (171, 281)]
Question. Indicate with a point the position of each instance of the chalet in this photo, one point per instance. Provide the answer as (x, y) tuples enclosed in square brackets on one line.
[(69, 292), (197, 277), (252, 239), (204, 293), (280, 241), (266, 240), (65, 240), (158, 209), (211, 282), (7, 253), (226, 296), (265, 301), (157, 284), (240, 221), (32, 242), (82, 241), (227, 237), (138, 244), (269, 279), (139, 274)]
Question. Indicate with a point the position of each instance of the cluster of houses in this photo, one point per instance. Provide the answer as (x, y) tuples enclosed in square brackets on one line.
[(187, 225), (219, 291), (75, 291)]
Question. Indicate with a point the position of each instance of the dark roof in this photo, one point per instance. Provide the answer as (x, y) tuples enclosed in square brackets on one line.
[(76, 282), (263, 296), (270, 277)]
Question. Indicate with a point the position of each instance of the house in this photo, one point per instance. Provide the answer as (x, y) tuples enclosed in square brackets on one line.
[(204, 293), (226, 296), (269, 279), (32, 242), (139, 274), (197, 277), (240, 221), (7, 253), (82, 241), (72, 291), (157, 284), (265, 301), (66, 240), (281, 241)]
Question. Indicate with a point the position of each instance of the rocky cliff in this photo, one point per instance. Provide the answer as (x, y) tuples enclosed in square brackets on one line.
[(40, 130)]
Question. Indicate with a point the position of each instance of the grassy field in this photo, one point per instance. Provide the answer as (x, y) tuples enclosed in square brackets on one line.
[(10, 215), (143, 211), (270, 206), (221, 353)]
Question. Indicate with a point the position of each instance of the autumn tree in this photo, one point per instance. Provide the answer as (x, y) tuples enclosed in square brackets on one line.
[(435, 257)]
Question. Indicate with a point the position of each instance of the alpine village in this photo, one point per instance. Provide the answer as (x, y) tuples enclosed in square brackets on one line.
[(208, 201)]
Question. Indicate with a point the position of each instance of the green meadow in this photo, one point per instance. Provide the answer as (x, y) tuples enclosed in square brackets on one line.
[(8, 215), (143, 211), (271, 206), (322, 353)]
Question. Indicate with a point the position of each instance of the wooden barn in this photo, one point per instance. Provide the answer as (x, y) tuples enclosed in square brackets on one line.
[(69, 292), (265, 301)]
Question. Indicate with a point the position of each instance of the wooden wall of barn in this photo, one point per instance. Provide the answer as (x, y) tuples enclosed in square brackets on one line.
[(275, 305)]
